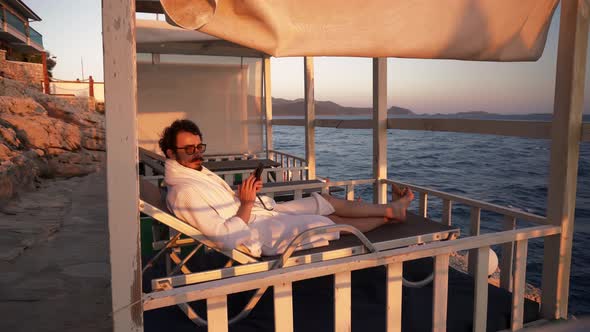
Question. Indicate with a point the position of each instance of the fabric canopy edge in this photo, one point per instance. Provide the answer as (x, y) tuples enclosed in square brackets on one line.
[(218, 23)]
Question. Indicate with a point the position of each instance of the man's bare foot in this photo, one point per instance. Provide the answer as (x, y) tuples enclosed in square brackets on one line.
[(398, 208), (397, 192)]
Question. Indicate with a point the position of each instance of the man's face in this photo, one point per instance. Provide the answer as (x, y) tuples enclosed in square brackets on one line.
[(193, 161)]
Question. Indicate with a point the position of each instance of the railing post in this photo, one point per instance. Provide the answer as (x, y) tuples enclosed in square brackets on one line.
[(440, 293), (45, 73), (350, 192), (4, 23), (27, 32), (507, 256), (423, 205), (342, 301), (447, 212), (283, 305), (217, 314), (90, 86), (519, 284), (474, 231), (394, 297), (565, 137), (480, 302)]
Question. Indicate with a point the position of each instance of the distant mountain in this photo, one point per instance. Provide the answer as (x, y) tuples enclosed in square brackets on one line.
[(285, 107)]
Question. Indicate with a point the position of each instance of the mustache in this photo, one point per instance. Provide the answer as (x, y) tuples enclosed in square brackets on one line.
[(197, 158)]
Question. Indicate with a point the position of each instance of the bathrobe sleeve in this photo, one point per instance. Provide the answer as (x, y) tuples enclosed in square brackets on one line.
[(189, 206)]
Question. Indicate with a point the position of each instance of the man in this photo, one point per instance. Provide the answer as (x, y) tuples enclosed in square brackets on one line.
[(230, 220)]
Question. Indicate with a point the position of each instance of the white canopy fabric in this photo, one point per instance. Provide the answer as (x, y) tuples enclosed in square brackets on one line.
[(484, 30)]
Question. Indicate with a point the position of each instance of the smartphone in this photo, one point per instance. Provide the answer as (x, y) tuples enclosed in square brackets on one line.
[(258, 171)]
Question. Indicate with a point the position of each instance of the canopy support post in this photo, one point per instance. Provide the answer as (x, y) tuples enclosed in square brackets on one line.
[(267, 104), (380, 128), (119, 56), (309, 117), (565, 137)]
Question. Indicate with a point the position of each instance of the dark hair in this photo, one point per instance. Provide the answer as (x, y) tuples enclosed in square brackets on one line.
[(168, 139)]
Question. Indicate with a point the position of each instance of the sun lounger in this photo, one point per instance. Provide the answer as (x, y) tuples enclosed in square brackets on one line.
[(415, 230)]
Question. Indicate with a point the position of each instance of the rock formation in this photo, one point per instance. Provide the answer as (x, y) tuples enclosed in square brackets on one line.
[(44, 136)]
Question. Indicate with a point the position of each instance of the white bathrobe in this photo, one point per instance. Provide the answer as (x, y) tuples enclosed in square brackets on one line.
[(205, 201)]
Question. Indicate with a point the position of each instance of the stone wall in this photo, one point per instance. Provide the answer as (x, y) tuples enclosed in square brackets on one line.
[(25, 72)]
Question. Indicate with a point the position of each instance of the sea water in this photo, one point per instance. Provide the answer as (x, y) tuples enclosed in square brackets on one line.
[(507, 171)]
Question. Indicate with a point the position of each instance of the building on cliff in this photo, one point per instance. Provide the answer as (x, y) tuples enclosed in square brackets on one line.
[(15, 33)]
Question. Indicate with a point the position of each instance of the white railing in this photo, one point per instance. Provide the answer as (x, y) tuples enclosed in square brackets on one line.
[(274, 174), (510, 279), (292, 168), (234, 156), (287, 160), (213, 287)]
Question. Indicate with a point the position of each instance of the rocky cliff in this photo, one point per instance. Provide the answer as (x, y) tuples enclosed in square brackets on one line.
[(43, 136)]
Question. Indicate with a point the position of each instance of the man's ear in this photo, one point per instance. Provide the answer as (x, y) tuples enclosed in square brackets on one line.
[(170, 154)]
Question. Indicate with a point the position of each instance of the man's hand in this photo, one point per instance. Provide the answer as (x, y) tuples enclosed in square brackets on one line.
[(248, 189), (247, 194)]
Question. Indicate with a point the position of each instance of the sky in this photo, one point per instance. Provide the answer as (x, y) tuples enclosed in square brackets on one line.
[(71, 31)]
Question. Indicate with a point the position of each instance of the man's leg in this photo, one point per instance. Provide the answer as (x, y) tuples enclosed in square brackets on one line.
[(358, 209), (362, 224)]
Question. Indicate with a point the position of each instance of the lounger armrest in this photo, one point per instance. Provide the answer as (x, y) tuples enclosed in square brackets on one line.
[(319, 231)]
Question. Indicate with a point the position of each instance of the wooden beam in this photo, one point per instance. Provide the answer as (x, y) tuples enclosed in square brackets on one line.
[(530, 129), (309, 117), (267, 103), (563, 169), (206, 47), (118, 19), (380, 128)]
